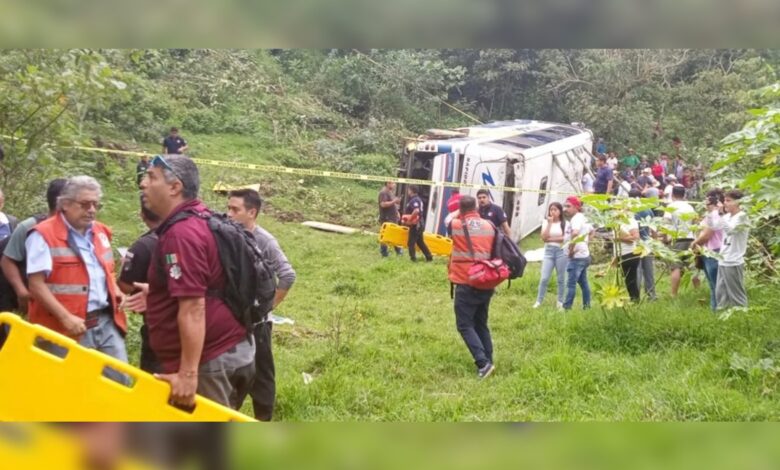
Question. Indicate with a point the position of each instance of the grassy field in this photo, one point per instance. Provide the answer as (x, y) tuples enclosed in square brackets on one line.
[(378, 337)]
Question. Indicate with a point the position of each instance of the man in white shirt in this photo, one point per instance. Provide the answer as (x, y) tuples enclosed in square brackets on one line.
[(578, 253), (680, 218), (730, 284)]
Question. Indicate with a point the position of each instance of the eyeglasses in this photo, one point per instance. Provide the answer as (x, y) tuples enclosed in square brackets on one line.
[(86, 205), (160, 162)]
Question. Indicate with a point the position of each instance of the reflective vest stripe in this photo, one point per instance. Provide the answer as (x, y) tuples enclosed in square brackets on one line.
[(68, 289), (467, 255), (473, 232), (108, 256), (62, 252)]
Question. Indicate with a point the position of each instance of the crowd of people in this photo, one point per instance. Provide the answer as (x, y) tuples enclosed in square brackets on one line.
[(714, 241), (59, 270)]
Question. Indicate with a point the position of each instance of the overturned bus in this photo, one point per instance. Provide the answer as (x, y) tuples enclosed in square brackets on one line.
[(532, 155)]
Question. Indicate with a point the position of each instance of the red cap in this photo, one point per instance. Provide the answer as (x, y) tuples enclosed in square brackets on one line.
[(453, 203), (574, 201)]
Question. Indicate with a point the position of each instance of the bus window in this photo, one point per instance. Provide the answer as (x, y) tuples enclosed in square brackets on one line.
[(542, 188)]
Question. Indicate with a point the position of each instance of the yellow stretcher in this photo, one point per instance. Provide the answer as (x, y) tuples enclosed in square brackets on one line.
[(36, 385), (398, 235)]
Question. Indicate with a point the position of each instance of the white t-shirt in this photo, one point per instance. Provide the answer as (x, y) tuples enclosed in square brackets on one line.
[(612, 163), (587, 182), (735, 241), (579, 224), (683, 227), (555, 231), (628, 248), (624, 189)]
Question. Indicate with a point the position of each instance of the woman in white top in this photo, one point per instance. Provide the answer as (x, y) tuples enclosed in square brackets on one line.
[(629, 262), (553, 228)]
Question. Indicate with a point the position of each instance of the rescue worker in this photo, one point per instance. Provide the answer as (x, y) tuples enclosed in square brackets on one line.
[(70, 266), (471, 305)]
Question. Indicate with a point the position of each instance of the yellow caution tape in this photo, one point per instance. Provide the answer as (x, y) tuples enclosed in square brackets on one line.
[(319, 173)]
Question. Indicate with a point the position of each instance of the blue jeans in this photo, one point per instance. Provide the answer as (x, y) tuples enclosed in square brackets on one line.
[(384, 251), (711, 271), (554, 258), (577, 273), (106, 338)]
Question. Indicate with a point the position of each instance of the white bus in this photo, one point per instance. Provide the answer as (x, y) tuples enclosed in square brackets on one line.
[(532, 155)]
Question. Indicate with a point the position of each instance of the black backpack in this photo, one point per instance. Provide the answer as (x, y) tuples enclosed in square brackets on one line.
[(250, 285), (507, 250)]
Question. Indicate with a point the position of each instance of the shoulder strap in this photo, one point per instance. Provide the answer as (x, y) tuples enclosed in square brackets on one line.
[(468, 238)]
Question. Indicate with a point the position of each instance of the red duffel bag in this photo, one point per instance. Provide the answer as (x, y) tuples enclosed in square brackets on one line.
[(487, 274)]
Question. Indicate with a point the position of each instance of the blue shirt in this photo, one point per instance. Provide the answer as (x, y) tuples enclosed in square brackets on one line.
[(493, 213), (603, 177), (39, 260), (172, 144), (601, 148), (5, 231)]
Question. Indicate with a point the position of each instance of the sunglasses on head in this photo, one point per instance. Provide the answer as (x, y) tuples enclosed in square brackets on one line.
[(159, 162)]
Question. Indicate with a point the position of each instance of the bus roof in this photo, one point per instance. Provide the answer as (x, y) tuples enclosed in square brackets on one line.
[(519, 133)]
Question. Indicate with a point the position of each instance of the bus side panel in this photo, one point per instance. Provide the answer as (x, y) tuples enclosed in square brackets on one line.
[(485, 167), (537, 177)]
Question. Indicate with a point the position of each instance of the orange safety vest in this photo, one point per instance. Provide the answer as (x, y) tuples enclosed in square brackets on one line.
[(482, 234), (69, 279)]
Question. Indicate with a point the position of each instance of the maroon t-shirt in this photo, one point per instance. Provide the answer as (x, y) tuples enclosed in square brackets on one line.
[(191, 265)]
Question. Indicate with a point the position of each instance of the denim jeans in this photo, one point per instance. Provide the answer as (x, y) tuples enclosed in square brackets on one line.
[(471, 317), (646, 275), (384, 251), (577, 273), (106, 338), (554, 258), (711, 271)]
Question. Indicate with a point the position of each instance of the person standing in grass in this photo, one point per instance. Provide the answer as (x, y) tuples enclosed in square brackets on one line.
[(388, 212), (413, 218), (629, 261), (646, 271), (711, 238), (730, 287), (576, 247), (471, 304), (244, 206), (555, 257)]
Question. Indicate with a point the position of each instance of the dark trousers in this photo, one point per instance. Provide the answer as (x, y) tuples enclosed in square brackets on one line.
[(629, 263), (263, 391), (149, 361), (416, 238), (471, 318)]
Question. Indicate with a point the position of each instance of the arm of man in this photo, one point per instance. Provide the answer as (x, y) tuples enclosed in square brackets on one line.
[(281, 267), (184, 146), (14, 276), (505, 228), (192, 333)]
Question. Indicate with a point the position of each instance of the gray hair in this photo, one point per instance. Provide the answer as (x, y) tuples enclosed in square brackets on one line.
[(75, 185), (185, 171)]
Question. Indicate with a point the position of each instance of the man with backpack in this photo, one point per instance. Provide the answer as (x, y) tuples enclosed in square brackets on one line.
[(243, 206), (200, 343), (472, 239)]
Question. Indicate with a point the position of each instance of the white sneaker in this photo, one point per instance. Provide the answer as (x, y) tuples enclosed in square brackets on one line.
[(559, 305), (537, 305)]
